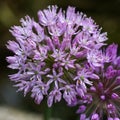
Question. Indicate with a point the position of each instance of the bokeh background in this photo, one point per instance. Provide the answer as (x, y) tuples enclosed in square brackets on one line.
[(106, 13)]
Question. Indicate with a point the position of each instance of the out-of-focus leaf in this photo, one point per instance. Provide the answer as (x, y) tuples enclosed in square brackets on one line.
[(7, 17)]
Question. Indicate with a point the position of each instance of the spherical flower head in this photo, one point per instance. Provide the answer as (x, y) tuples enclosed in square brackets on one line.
[(105, 92), (51, 54)]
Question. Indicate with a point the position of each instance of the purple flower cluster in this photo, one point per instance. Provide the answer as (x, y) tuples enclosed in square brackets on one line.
[(60, 56), (102, 100)]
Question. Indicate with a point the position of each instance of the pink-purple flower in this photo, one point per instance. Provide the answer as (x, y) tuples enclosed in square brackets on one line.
[(61, 57), (104, 92)]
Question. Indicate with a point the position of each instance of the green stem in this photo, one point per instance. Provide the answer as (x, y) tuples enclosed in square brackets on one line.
[(78, 118), (48, 113)]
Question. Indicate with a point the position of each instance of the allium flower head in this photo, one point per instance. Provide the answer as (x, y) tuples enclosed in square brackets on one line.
[(51, 55), (105, 91)]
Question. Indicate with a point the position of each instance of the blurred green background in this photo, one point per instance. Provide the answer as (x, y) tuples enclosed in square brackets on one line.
[(106, 13)]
